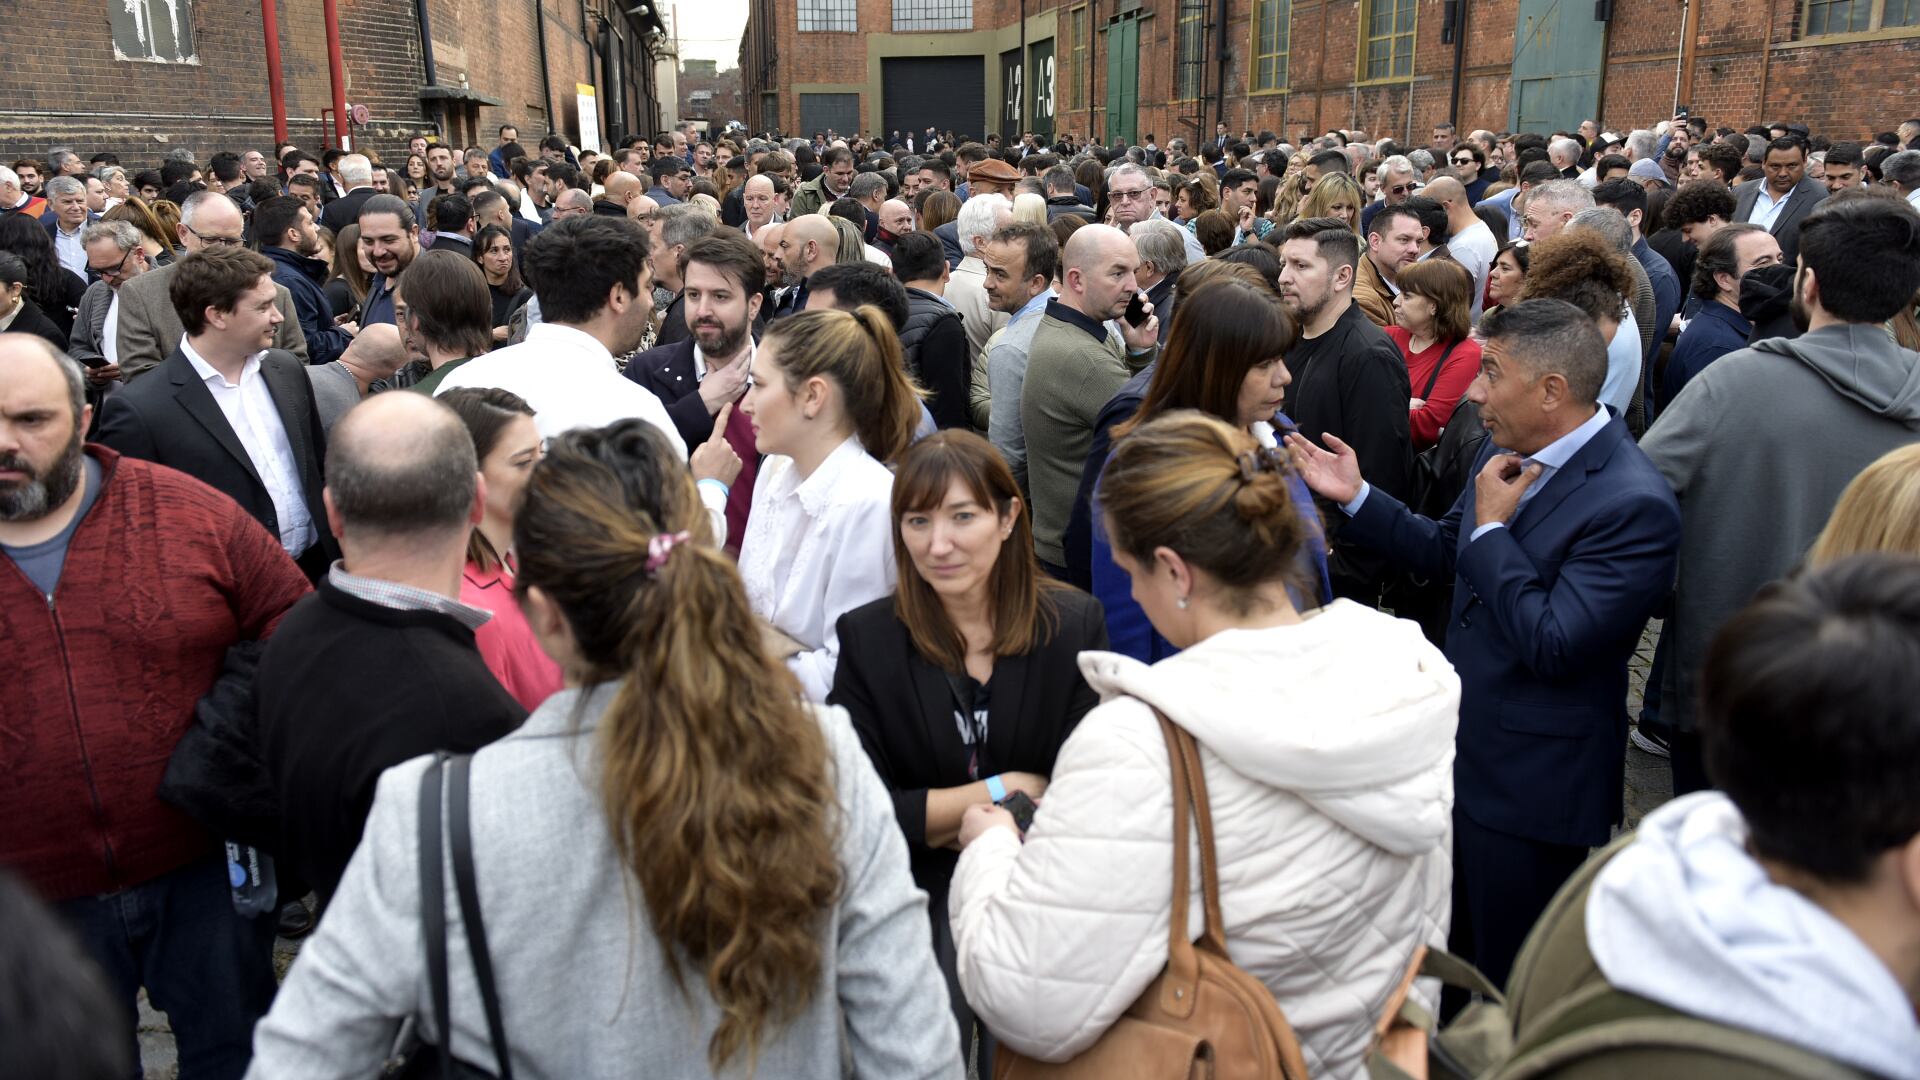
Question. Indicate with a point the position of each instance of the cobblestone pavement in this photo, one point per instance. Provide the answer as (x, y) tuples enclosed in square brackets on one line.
[(1649, 783)]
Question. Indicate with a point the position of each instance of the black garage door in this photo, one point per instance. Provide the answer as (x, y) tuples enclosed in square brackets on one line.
[(838, 113), (945, 92)]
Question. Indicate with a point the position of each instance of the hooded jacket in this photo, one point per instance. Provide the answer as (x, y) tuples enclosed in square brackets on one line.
[(1332, 816), (1685, 917), (1758, 448)]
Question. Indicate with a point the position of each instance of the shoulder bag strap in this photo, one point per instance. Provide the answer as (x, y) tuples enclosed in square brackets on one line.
[(1179, 989), (1215, 934), (1434, 376), (433, 908), (463, 880)]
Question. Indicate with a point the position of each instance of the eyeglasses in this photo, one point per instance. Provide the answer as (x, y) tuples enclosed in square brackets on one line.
[(109, 273), (214, 241), (1400, 189), (1127, 194)]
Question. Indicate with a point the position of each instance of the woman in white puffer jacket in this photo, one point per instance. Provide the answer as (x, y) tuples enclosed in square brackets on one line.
[(1327, 742)]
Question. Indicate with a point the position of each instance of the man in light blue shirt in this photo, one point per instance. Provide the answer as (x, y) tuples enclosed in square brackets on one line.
[(1021, 259)]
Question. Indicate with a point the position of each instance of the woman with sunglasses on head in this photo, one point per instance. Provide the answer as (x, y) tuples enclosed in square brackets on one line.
[(681, 868), (964, 682), (831, 406)]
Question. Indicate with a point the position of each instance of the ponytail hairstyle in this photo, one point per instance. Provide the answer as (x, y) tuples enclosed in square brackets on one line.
[(1208, 490), (859, 352), (714, 774)]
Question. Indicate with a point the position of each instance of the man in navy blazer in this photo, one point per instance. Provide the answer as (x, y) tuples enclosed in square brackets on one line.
[(1559, 553)]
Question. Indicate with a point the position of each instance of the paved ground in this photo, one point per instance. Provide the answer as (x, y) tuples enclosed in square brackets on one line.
[(1648, 785)]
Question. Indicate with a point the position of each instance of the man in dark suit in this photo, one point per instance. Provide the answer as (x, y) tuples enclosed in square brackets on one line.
[(1779, 202), (701, 374), (1559, 552), (357, 171), (229, 409)]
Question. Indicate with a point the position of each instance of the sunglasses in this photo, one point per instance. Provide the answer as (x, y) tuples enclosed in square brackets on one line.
[(1463, 161), (1400, 189)]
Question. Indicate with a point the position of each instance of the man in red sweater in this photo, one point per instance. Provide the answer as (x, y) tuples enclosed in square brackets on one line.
[(122, 585)]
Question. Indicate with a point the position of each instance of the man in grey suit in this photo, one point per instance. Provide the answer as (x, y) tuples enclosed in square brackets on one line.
[(1781, 201), (229, 409), (149, 329), (114, 257)]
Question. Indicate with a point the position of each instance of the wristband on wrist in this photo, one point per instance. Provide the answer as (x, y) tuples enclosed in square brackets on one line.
[(725, 491), (996, 788)]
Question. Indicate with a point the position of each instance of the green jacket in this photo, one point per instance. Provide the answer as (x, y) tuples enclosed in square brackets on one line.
[(811, 197)]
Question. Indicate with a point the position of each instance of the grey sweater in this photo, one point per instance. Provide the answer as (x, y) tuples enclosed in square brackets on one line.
[(1758, 447), (1070, 378), (584, 990)]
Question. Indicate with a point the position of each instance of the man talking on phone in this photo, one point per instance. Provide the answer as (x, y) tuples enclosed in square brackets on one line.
[(1080, 357)]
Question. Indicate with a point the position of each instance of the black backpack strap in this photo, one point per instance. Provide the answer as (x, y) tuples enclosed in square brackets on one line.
[(1434, 377), (433, 912), (461, 837)]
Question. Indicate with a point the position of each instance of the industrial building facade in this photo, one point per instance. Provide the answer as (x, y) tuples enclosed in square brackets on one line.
[(139, 77), (1131, 69)]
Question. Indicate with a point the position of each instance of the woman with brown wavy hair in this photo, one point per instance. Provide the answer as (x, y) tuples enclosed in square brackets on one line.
[(682, 868), (963, 684)]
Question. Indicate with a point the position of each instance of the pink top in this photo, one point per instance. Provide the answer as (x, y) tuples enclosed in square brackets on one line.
[(506, 642)]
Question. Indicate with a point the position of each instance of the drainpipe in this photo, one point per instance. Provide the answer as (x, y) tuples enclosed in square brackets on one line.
[(1457, 11), (276, 86), (426, 57), (1221, 54), (540, 40), (335, 67), (1766, 64), (1024, 81), (1682, 81)]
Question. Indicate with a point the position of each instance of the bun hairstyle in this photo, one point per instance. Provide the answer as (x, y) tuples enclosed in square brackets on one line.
[(711, 768), (1208, 490), (860, 353)]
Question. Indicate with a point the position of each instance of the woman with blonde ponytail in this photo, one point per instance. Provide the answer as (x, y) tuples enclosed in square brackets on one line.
[(832, 407), (683, 868), (1326, 738)]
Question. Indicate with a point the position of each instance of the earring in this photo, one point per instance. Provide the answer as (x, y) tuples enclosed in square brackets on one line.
[(1181, 603)]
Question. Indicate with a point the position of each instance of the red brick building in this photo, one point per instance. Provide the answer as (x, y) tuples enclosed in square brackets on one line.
[(709, 96), (140, 77), (1392, 67)]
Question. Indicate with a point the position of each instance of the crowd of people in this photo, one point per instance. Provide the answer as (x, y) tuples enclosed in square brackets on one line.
[(789, 586)]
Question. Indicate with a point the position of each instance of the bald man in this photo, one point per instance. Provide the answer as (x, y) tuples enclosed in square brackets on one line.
[(641, 208), (1469, 241), (896, 218), (403, 494), (573, 202), (1078, 360), (761, 203), (617, 197), (807, 243), (376, 354)]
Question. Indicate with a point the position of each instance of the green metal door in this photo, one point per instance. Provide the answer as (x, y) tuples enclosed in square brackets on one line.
[(1123, 79), (1556, 66)]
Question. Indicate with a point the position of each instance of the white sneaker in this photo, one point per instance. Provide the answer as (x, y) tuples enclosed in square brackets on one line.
[(1651, 744)]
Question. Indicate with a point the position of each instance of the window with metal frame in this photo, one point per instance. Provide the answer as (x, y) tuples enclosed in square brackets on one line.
[(1271, 25), (1386, 50), (1858, 16), (932, 15), (1077, 61), (1190, 46), (832, 16)]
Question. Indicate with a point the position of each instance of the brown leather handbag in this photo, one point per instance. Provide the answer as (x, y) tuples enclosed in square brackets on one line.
[(1203, 1017)]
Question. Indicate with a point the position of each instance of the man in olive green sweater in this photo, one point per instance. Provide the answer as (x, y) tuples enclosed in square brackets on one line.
[(1074, 366)]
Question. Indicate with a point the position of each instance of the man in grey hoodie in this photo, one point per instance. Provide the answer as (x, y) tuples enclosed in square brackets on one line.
[(1786, 906), (1759, 446)]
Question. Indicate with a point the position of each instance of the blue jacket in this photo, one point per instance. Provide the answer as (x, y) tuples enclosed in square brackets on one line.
[(1546, 614), (1668, 294), (306, 281), (1715, 331)]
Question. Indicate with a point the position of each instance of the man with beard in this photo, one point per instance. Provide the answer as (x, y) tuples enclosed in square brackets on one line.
[(1350, 384), (702, 376), (287, 235), (807, 243), (135, 553), (669, 231), (440, 179), (768, 241), (1767, 499), (391, 238), (230, 409)]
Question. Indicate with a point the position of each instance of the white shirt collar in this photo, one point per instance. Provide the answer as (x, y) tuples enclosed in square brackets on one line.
[(207, 372), (815, 490), (570, 339), (700, 357), (1557, 453)]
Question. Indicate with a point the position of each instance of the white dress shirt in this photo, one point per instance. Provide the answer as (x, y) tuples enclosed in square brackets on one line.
[(815, 549), (110, 332), (1765, 208), (569, 380), (1474, 248), (250, 411), (72, 253)]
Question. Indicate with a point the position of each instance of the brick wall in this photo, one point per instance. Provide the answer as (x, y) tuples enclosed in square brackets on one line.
[(61, 86), (1842, 90)]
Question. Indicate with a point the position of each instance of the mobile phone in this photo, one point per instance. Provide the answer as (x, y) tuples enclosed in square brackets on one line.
[(1021, 807), (1683, 111), (1136, 310)]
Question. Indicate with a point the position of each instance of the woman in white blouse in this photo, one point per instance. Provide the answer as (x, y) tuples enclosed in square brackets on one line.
[(831, 405)]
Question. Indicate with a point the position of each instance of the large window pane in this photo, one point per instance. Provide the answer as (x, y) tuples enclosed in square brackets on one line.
[(841, 16)]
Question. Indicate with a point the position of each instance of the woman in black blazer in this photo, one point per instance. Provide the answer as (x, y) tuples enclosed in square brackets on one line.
[(963, 684)]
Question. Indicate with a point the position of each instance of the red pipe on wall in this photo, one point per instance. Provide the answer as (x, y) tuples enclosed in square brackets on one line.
[(337, 69), (276, 87)]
